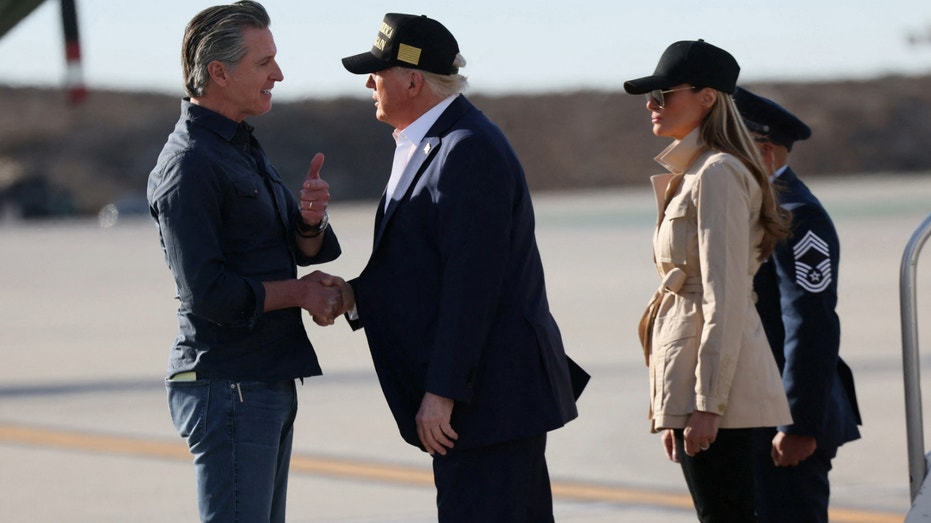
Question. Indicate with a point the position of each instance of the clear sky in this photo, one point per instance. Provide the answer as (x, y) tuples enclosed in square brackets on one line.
[(512, 46)]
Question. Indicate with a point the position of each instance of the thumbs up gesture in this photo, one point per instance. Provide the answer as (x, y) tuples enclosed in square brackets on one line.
[(315, 193)]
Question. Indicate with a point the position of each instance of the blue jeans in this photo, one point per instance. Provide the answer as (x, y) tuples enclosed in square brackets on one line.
[(240, 435)]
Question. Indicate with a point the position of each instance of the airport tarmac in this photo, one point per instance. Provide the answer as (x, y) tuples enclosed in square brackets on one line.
[(87, 315)]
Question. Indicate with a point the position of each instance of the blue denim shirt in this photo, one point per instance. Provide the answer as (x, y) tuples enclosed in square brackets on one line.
[(226, 224)]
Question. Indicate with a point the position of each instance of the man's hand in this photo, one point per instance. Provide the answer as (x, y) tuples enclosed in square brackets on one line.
[(320, 297), (700, 431), (433, 428), (347, 300), (791, 449), (315, 193)]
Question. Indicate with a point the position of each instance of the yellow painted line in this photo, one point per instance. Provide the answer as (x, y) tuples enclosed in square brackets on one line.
[(361, 470), (593, 492), (70, 440), (303, 463)]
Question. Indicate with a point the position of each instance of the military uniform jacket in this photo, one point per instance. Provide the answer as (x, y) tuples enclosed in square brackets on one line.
[(709, 351), (797, 295)]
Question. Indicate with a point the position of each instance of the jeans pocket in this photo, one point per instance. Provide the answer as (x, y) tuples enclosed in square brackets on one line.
[(187, 404)]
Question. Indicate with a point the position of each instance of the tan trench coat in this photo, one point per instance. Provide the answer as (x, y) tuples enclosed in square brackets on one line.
[(707, 349)]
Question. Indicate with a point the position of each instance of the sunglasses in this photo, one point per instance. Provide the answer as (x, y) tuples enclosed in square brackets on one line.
[(656, 95)]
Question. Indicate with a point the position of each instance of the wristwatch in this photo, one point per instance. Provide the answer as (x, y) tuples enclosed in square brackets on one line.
[(312, 231)]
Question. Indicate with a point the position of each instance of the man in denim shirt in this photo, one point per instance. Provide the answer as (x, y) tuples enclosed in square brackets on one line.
[(233, 236)]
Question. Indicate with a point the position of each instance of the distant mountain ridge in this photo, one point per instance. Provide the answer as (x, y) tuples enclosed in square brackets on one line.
[(56, 159)]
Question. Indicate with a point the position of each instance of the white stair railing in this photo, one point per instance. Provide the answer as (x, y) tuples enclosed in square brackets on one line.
[(911, 364)]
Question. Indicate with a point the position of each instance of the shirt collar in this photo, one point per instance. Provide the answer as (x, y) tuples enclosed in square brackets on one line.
[(216, 122), (416, 131), (680, 154)]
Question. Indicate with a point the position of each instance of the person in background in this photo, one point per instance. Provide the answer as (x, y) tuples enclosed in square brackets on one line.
[(233, 235), (797, 295), (712, 374), (452, 299)]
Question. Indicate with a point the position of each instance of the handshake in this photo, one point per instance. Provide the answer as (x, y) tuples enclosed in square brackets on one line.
[(326, 296)]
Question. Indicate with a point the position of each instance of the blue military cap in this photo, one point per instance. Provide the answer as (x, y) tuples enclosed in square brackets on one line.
[(766, 117)]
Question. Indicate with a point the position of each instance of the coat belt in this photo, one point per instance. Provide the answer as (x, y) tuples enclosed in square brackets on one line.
[(676, 282)]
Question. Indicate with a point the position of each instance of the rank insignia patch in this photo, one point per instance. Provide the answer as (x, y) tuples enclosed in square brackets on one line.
[(812, 263)]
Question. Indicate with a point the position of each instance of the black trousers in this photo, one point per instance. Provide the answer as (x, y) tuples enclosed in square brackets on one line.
[(798, 494), (720, 479), (506, 483)]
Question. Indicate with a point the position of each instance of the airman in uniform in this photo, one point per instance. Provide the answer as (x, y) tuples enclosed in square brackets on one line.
[(797, 295)]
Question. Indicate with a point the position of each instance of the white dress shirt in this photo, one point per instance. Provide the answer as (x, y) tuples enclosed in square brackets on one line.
[(406, 141)]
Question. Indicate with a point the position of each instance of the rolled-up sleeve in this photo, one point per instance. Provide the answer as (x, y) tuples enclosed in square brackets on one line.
[(189, 214)]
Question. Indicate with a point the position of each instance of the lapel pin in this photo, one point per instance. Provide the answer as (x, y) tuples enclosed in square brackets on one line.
[(426, 149)]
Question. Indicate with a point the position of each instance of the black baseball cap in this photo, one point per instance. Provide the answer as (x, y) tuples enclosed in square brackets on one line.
[(690, 62), (410, 41), (767, 118)]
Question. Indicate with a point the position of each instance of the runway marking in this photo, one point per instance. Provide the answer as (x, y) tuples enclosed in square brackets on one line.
[(363, 470)]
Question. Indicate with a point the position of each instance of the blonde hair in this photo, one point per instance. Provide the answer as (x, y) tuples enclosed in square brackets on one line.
[(723, 129), (443, 85)]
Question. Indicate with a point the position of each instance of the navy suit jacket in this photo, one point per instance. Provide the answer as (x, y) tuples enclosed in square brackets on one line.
[(797, 294), (453, 300)]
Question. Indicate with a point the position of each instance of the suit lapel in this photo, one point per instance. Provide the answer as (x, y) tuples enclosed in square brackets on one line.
[(410, 174), (379, 217), (419, 163), (787, 177)]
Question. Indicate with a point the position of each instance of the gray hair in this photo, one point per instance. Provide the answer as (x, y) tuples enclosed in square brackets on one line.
[(216, 34), (443, 85)]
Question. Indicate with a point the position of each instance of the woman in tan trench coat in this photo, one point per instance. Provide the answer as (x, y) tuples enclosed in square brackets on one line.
[(712, 374)]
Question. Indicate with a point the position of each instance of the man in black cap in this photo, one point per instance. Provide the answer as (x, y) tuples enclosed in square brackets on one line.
[(797, 294), (453, 299)]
